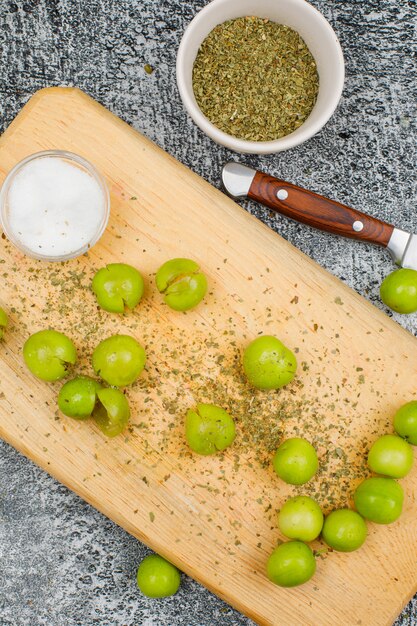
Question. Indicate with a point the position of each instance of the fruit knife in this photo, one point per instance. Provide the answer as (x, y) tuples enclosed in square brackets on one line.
[(310, 208)]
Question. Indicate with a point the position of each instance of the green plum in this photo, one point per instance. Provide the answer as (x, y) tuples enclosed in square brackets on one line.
[(405, 422), (48, 353), (379, 500), (182, 283), (291, 564), (78, 397), (111, 412), (399, 291), (3, 322), (296, 461), (157, 577), (209, 429), (344, 530), (117, 286), (391, 456), (268, 364), (119, 360), (301, 518)]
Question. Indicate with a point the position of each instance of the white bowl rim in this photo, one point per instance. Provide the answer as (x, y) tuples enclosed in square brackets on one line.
[(242, 145)]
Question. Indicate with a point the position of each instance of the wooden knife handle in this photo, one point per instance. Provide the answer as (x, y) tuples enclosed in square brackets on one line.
[(315, 210)]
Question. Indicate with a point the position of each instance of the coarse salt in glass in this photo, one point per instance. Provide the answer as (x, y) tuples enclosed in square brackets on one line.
[(54, 205)]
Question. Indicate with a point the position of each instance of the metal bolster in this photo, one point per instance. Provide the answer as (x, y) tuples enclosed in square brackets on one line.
[(237, 179), (398, 244)]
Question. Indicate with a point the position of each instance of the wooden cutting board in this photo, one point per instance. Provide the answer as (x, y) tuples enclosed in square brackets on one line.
[(213, 517)]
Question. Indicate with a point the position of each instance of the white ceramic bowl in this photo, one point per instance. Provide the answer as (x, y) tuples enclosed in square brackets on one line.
[(313, 28)]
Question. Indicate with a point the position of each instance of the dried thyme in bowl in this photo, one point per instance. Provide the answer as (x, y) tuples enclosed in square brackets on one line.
[(255, 79)]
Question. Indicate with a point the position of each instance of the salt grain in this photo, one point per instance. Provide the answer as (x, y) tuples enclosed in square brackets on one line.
[(55, 207)]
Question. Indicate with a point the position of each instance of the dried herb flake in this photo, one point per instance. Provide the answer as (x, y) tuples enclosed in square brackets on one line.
[(255, 79)]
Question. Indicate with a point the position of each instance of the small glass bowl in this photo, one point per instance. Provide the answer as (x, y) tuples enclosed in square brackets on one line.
[(82, 164)]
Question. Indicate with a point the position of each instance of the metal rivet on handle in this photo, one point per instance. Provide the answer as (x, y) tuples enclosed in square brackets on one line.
[(357, 226), (282, 194)]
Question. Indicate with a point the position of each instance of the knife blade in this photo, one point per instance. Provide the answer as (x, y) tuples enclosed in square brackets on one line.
[(310, 208)]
